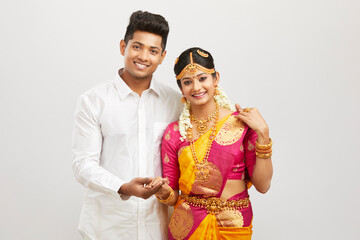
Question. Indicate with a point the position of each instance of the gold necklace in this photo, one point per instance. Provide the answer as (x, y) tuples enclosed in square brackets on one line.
[(201, 124), (202, 170)]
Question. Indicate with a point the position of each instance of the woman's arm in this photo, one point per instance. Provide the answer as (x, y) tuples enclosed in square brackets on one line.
[(262, 170), (167, 195)]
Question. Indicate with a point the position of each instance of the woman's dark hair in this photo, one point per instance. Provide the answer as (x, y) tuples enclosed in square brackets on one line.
[(147, 22), (203, 58)]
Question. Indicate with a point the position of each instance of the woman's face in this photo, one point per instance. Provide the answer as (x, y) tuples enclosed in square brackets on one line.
[(199, 88)]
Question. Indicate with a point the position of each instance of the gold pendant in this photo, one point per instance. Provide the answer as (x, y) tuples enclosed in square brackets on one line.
[(202, 171), (201, 127)]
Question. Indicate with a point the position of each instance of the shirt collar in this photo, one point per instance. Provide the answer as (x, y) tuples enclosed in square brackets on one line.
[(124, 90), (155, 86)]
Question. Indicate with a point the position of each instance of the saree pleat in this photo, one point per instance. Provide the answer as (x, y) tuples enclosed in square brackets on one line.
[(208, 229)]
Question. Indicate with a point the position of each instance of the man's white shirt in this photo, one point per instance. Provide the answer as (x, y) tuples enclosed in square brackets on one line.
[(117, 137)]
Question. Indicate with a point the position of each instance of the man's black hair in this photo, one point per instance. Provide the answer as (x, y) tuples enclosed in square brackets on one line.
[(147, 22)]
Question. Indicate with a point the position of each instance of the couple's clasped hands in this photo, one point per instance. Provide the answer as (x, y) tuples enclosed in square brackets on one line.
[(144, 187)]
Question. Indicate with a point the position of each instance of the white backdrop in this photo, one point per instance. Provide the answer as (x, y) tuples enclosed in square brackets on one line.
[(297, 61)]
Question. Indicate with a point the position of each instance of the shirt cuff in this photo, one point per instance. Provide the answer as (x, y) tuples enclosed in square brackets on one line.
[(122, 196), (115, 185)]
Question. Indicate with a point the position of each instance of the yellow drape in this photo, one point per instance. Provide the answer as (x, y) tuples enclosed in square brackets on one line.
[(209, 230), (187, 163)]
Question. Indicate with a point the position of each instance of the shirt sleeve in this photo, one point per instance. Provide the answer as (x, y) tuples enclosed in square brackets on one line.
[(87, 146), (169, 158), (249, 150)]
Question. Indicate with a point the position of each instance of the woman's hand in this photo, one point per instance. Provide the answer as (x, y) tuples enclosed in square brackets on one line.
[(156, 182), (263, 170), (164, 191), (253, 118)]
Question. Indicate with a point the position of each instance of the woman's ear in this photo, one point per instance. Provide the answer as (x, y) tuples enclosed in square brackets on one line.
[(182, 92), (216, 79)]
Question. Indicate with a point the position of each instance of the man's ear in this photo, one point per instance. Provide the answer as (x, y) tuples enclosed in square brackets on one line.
[(122, 47), (163, 54)]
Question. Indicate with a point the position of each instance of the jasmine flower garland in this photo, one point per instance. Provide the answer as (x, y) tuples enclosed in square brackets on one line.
[(184, 121)]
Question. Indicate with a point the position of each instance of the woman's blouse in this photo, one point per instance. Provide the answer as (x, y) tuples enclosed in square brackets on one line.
[(232, 156)]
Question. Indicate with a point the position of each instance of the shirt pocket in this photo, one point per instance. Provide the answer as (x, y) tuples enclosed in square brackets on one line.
[(159, 129)]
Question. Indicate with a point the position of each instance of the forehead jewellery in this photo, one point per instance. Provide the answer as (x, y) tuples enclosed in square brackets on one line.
[(192, 67)]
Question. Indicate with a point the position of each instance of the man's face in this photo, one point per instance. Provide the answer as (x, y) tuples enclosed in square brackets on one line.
[(142, 54)]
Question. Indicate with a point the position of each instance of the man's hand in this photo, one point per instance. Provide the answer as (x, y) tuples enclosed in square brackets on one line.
[(138, 187)]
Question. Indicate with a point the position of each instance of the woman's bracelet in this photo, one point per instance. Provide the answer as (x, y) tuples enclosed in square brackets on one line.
[(265, 146), (168, 199), (264, 151), (263, 155)]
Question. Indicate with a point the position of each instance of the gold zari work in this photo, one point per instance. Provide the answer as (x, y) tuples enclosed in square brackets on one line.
[(176, 127), (241, 147), (166, 158), (230, 133), (167, 136), (181, 221), (230, 218), (250, 146), (180, 150), (213, 183)]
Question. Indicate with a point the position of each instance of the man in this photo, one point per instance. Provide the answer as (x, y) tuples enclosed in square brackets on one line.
[(117, 135)]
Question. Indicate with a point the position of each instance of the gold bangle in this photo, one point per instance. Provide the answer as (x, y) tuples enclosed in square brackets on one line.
[(168, 199), (262, 155), (264, 147), (263, 151)]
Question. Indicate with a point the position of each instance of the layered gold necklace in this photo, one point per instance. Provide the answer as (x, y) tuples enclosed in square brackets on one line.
[(202, 170), (201, 124)]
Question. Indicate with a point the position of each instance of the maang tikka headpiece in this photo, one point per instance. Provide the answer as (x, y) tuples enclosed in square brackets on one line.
[(193, 67)]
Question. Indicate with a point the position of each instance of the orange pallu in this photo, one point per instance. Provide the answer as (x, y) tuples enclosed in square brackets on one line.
[(232, 156)]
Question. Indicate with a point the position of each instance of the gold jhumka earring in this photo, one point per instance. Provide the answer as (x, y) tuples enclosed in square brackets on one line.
[(183, 100)]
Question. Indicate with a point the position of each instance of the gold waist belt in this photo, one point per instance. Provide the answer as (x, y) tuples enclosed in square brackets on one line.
[(215, 205)]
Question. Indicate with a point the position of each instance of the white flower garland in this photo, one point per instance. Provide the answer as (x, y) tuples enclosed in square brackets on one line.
[(184, 121), (223, 100)]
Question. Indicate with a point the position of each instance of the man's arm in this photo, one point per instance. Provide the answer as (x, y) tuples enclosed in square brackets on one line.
[(87, 145)]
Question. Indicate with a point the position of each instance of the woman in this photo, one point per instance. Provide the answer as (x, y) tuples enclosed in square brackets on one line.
[(210, 155)]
